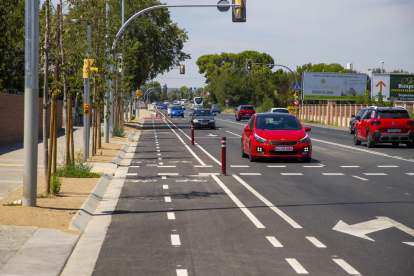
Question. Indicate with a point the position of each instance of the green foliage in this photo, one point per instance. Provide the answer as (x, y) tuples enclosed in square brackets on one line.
[(79, 169), (42, 195), (12, 204), (265, 106), (119, 132), (133, 117), (55, 185)]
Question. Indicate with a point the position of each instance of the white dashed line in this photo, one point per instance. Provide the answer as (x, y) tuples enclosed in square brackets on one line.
[(314, 166), (268, 203), (159, 158), (175, 240), (270, 166), (203, 166), (316, 242), (360, 178), (239, 166), (274, 241), (167, 173), (209, 155), (165, 187), (167, 166), (375, 173), (182, 272), (410, 173), (245, 210), (161, 163), (131, 174), (350, 166), (291, 173), (234, 133), (250, 174), (158, 153), (158, 150), (333, 174), (345, 266), (167, 199), (296, 266), (388, 166), (134, 166), (170, 215)]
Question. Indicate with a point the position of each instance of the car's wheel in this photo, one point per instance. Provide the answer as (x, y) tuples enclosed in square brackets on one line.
[(395, 144), (243, 155), (306, 159), (251, 158), (370, 141), (410, 145), (351, 131), (182, 116), (212, 127), (356, 141), (236, 119)]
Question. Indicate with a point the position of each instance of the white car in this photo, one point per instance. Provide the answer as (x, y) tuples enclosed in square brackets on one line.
[(279, 110), (169, 110)]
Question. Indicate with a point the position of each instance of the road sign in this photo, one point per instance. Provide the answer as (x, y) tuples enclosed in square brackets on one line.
[(226, 101), (296, 102), (297, 86), (223, 2)]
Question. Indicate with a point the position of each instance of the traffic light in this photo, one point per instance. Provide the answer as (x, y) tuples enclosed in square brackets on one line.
[(249, 64), (296, 95), (182, 69), (239, 13), (138, 94), (87, 109), (86, 64)]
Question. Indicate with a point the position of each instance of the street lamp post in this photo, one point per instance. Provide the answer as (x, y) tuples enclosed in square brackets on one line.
[(86, 93), (382, 66)]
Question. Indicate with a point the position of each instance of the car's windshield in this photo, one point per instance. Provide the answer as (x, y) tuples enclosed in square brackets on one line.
[(247, 108), (280, 111), (177, 108), (277, 123), (198, 100), (203, 112), (393, 114)]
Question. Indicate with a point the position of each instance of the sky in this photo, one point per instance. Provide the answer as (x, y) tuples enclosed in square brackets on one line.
[(297, 32)]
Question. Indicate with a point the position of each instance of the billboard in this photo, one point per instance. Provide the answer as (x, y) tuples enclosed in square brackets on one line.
[(396, 87), (333, 86)]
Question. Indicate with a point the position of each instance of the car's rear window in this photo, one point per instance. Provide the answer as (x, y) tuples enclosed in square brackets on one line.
[(280, 111), (202, 112), (270, 122), (393, 114), (177, 108), (247, 108)]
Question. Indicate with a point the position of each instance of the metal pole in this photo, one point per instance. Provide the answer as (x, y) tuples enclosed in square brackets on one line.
[(31, 103), (86, 100), (223, 155), (192, 133), (106, 120)]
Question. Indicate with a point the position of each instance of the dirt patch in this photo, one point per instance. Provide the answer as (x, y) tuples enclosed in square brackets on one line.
[(108, 152)]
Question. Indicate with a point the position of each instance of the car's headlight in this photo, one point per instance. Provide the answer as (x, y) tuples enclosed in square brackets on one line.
[(304, 139), (195, 121), (260, 139), (212, 121)]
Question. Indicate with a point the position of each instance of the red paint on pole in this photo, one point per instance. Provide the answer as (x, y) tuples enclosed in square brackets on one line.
[(192, 134), (223, 155)]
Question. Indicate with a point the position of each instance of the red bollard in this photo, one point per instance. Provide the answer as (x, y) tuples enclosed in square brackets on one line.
[(192, 134), (223, 155)]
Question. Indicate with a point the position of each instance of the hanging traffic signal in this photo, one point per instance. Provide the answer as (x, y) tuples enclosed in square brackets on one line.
[(182, 69), (249, 64), (239, 13)]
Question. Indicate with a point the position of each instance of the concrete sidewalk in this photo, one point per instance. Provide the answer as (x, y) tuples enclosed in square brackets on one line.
[(32, 250)]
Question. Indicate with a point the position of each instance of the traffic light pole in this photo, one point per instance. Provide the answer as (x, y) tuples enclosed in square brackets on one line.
[(86, 100)]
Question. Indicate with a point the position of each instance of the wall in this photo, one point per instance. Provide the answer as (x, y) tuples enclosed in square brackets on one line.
[(12, 118)]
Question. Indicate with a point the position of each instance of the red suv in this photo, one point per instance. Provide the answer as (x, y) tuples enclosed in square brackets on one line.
[(384, 125), (244, 112)]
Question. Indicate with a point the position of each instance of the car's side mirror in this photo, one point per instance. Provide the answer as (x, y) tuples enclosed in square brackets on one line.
[(247, 128), (307, 129), (352, 116), (358, 118)]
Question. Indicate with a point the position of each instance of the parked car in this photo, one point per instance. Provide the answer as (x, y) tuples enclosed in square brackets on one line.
[(244, 112), (279, 110), (215, 108), (354, 120), (275, 135), (384, 125), (177, 110), (203, 118)]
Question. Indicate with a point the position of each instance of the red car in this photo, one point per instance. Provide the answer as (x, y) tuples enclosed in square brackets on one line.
[(275, 135), (244, 112), (384, 125)]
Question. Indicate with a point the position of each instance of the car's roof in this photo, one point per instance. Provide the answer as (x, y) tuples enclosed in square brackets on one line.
[(279, 108), (274, 114)]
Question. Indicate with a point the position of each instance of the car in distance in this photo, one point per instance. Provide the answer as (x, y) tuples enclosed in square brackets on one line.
[(384, 125), (177, 111), (243, 112), (169, 110), (279, 110), (198, 106), (354, 120), (203, 118), (275, 135), (215, 108)]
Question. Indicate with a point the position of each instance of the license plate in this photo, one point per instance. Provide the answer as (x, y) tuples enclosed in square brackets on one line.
[(394, 130), (247, 114), (203, 123), (283, 148)]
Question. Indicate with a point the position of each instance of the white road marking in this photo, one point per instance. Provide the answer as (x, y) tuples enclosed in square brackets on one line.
[(316, 242), (134, 166), (250, 174), (182, 272), (159, 158), (158, 150), (203, 166), (410, 173), (209, 155), (388, 166), (238, 203), (165, 187), (314, 166), (350, 166), (274, 241), (159, 154), (209, 174), (167, 166), (161, 163), (375, 173), (333, 174), (239, 166), (158, 147), (233, 133), (360, 178), (271, 166), (291, 173), (409, 243), (171, 215), (167, 173), (296, 266), (268, 203), (131, 174), (190, 180), (144, 181), (167, 199), (345, 266), (175, 240)]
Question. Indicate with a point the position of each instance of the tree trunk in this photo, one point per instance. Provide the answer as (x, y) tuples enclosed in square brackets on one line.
[(45, 93)]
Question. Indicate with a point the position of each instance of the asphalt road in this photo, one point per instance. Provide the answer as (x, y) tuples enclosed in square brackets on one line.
[(348, 212)]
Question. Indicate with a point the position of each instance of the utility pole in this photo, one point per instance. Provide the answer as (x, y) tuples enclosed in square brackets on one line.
[(108, 86), (31, 102)]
